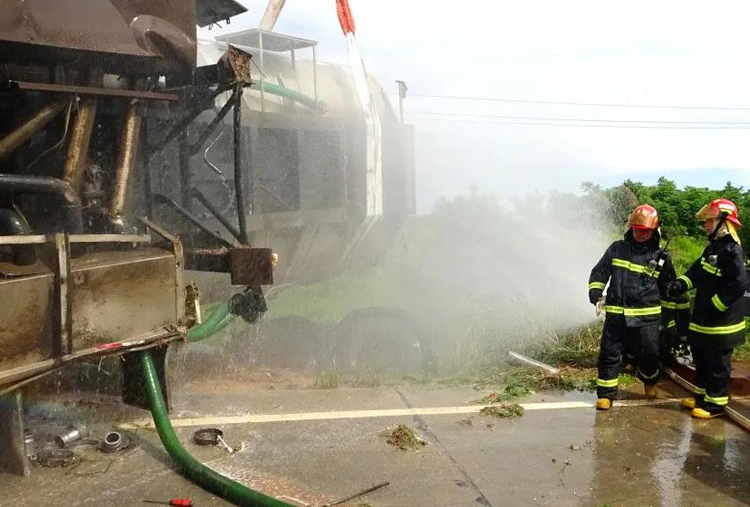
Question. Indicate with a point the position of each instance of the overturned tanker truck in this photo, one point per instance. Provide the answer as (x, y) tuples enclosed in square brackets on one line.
[(124, 180)]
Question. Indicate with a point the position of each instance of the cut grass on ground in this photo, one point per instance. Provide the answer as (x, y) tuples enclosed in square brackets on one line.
[(405, 438), (504, 410)]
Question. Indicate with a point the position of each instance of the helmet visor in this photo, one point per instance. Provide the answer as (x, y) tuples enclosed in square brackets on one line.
[(707, 212)]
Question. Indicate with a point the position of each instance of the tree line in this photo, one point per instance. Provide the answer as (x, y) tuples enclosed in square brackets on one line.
[(677, 206)]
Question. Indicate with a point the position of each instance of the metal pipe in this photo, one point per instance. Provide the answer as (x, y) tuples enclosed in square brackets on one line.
[(195, 148), (187, 120), (80, 136), (163, 199), (733, 414), (262, 73), (534, 363), (31, 126), (13, 224), (271, 15), (78, 146), (241, 217), (315, 74), (125, 163), (146, 161), (186, 176), (47, 185), (216, 213)]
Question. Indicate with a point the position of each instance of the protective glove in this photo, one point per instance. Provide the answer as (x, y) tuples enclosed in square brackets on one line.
[(600, 308), (595, 295), (676, 288)]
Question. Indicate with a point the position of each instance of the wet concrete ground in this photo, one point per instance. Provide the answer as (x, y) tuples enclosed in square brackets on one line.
[(645, 455)]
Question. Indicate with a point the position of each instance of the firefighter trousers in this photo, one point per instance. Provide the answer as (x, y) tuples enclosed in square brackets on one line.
[(712, 373), (616, 339)]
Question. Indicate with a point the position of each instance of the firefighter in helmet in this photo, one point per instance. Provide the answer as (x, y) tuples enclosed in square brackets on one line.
[(717, 324), (638, 272)]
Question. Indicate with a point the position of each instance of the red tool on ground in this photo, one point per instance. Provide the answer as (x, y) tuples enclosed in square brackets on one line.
[(177, 502)]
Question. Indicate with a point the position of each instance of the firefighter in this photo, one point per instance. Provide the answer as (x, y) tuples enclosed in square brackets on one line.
[(638, 272), (717, 325)]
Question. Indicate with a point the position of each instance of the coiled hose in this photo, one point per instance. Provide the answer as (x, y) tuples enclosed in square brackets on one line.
[(193, 469)]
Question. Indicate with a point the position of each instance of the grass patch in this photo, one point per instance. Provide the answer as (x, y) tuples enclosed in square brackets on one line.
[(405, 438), (742, 353), (328, 379), (504, 410), (334, 299), (579, 347), (684, 250)]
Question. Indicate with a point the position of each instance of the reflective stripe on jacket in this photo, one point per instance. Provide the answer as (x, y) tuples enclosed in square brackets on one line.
[(721, 280), (637, 285)]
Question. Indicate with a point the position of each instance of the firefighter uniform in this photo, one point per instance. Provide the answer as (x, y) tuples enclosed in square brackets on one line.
[(718, 324), (638, 276)]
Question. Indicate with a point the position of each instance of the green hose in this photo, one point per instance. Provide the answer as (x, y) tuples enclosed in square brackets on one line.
[(283, 91), (218, 320), (193, 469)]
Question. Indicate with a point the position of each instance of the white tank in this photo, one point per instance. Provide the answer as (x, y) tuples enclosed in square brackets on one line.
[(335, 87)]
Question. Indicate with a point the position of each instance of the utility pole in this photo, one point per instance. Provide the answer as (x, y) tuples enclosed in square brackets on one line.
[(402, 89), (273, 9)]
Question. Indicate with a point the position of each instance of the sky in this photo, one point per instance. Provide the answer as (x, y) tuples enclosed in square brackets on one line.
[(667, 53)]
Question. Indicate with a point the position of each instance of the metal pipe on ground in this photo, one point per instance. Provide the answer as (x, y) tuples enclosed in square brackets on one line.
[(47, 185), (533, 363), (31, 126), (193, 469), (732, 414)]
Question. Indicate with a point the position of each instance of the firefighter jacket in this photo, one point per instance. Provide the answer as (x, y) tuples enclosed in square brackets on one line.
[(720, 280), (638, 285)]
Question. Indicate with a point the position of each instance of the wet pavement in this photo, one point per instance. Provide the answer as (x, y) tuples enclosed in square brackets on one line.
[(642, 455)]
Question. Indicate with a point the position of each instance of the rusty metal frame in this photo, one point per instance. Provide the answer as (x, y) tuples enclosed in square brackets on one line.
[(179, 260), (16, 377), (63, 309), (64, 354), (41, 239), (92, 90), (13, 456)]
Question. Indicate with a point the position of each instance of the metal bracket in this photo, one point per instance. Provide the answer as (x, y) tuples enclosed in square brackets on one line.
[(179, 263), (12, 445), (63, 308)]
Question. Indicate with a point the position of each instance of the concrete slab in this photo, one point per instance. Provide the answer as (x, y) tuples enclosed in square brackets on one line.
[(632, 455)]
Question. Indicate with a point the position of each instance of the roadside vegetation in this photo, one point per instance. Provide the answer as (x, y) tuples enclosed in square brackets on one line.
[(479, 279)]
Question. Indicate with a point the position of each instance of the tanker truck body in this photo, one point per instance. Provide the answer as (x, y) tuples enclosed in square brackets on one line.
[(84, 270), (135, 159)]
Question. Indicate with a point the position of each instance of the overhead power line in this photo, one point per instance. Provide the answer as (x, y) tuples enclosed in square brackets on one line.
[(589, 125), (598, 120), (566, 103)]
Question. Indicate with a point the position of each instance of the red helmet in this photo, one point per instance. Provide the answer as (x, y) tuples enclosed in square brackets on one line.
[(644, 217), (717, 208)]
